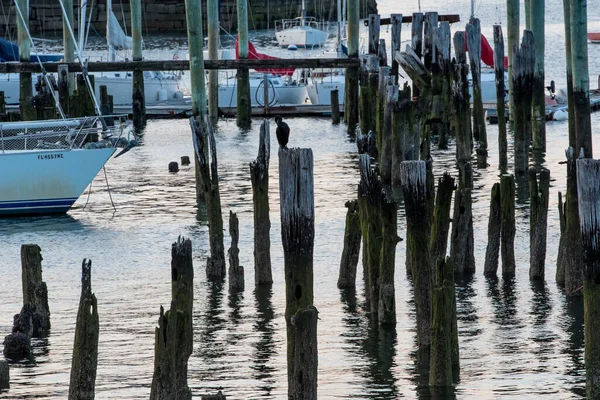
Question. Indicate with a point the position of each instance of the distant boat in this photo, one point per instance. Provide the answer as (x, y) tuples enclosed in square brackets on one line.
[(300, 32), (594, 37)]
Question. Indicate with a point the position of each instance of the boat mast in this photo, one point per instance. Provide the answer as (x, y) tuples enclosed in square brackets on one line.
[(82, 14), (303, 15), (111, 49), (472, 8)]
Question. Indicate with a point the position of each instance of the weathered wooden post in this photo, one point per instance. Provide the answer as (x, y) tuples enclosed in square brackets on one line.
[(404, 135), (500, 97), (259, 175), (473, 30), (69, 45), (522, 75), (444, 360), (538, 222), (368, 96), (335, 107), (35, 291), (492, 250), (306, 358), (352, 236), (438, 240), (244, 104), (569, 73), (512, 40), (236, 271), (507, 225), (380, 90), (417, 40), (26, 107), (218, 396), (572, 256), (4, 375), (212, 23), (588, 195), (386, 155), (139, 102), (396, 20), (374, 29), (296, 193), (382, 53), (560, 258), (174, 335), (417, 242), (389, 231), (85, 347), (537, 22), (204, 142), (351, 101)]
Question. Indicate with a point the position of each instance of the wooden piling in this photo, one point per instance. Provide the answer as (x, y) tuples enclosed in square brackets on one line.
[(440, 227), (538, 104), (335, 107), (352, 237), (500, 98), (444, 335), (492, 251), (538, 222), (405, 139), (429, 26), (236, 271), (165, 341), (374, 21), (69, 44), (85, 346), (382, 53), (35, 291), (4, 375), (306, 360), (379, 100), (26, 106), (461, 239), (351, 101), (417, 40), (218, 396), (507, 225), (244, 104), (512, 40), (259, 175), (386, 155), (572, 259), (193, 16), (368, 95), (204, 143), (389, 233), (396, 20), (2, 104), (139, 102), (417, 243), (524, 59), (296, 193), (569, 73), (588, 195), (212, 23), (473, 30), (560, 263)]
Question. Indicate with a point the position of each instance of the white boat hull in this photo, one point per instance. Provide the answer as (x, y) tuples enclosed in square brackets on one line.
[(47, 181), (279, 93), (320, 92), (301, 36)]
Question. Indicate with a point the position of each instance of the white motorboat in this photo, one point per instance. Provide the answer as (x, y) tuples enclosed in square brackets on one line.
[(320, 87), (280, 91), (46, 165)]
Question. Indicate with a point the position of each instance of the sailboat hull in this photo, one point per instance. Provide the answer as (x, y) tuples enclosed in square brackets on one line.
[(47, 181), (301, 36)]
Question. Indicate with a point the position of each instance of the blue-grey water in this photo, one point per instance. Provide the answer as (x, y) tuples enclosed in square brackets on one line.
[(517, 339)]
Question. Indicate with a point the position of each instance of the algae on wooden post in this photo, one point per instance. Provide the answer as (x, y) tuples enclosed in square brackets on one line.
[(492, 251), (507, 225), (389, 233), (417, 243), (85, 347), (538, 222), (259, 175), (500, 97), (296, 193), (438, 241), (236, 271), (573, 251), (306, 360), (35, 291), (204, 142), (352, 236), (588, 195)]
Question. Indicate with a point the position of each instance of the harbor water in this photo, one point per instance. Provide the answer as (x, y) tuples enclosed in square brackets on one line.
[(517, 339)]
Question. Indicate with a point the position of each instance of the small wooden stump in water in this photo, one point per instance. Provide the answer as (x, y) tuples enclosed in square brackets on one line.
[(173, 166), (259, 175), (444, 360), (4, 375), (352, 236), (296, 193), (461, 241), (538, 222), (335, 107), (236, 271), (85, 347), (588, 194), (413, 174), (306, 358), (185, 160), (507, 225), (218, 396), (35, 291), (492, 251)]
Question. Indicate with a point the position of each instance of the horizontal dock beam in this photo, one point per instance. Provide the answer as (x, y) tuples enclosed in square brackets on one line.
[(182, 65), (406, 19)]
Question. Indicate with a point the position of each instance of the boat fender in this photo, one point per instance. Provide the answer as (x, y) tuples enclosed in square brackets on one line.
[(292, 47), (178, 94), (161, 95), (560, 115)]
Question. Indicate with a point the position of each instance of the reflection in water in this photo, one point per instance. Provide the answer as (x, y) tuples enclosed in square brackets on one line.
[(573, 308), (371, 343), (466, 308), (236, 299), (504, 299), (211, 324), (265, 346), (522, 189), (541, 307)]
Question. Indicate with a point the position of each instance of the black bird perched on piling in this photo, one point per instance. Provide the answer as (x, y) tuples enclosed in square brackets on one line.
[(282, 131)]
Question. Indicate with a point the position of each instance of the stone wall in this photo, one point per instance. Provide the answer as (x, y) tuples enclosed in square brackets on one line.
[(161, 16)]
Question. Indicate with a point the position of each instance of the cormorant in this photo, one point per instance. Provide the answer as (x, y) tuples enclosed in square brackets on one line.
[(282, 131)]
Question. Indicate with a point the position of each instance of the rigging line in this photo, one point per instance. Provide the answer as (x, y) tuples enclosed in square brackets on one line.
[(88, 196), (108, 187), (44, 74), (87, 32)]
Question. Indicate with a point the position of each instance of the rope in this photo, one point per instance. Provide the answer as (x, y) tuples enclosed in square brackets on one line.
[(108, 187), (88, 196), (44, 73)]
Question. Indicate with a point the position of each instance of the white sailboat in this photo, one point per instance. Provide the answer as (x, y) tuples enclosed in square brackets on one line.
[(300, 32)]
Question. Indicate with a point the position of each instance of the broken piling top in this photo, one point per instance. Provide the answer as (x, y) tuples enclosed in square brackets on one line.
[(35, 291), (182, 275), (588, 196), (296, 191), (413, 175)]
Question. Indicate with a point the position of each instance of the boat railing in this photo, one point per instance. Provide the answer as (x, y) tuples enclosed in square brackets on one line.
[(68, 134), (312, 22)]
